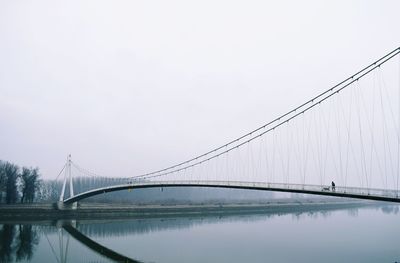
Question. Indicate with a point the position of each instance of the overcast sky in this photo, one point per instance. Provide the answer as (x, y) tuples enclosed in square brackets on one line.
[(132, 86)]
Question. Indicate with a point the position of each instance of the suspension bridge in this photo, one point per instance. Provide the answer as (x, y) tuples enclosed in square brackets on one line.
[(343, 142)]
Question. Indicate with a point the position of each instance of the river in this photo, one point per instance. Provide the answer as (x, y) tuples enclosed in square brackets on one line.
[(356, 234)]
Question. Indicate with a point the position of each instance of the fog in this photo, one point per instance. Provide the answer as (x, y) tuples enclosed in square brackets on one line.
[(128, 87)]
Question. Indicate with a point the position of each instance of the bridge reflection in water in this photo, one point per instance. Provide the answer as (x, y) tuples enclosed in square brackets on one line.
[(93, 245)]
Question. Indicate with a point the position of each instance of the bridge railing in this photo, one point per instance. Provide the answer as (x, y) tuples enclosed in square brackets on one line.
[(306, 187)]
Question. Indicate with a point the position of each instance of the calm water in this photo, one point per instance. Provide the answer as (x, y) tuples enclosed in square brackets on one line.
[(370, 234)]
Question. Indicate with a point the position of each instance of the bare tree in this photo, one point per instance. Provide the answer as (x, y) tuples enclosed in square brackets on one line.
[(34, 184), (29, 184), (25, 177), (3, 180), (11, 171)]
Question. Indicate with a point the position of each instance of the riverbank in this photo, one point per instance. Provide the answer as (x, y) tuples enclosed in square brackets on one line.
[(112, 210)]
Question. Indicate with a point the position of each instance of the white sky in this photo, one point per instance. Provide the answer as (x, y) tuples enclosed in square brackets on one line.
[(132, 86)]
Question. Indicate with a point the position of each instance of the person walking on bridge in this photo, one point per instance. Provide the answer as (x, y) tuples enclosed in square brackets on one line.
[(333, 186)]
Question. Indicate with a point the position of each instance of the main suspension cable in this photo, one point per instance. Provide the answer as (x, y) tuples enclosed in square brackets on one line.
[(314, 102), (353, 77)]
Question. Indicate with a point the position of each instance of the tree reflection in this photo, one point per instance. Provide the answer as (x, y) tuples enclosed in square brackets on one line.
[(6, 244), (28, 239), (17, 245), (391, 209)]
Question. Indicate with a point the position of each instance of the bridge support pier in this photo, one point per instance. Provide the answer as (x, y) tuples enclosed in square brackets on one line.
[(67, 176), (62, 206)]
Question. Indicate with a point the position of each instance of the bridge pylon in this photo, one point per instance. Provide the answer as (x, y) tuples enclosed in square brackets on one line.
[(67, 176)]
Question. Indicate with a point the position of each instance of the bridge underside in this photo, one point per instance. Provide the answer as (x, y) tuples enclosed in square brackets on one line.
[(349, 192)]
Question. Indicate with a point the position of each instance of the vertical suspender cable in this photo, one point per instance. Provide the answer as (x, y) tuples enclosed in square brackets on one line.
[(398, 138)]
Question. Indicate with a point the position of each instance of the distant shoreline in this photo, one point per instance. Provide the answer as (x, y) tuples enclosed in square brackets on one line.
[(47, 211)]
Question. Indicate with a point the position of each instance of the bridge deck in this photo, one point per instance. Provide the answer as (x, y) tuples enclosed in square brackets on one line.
[(351, 192)]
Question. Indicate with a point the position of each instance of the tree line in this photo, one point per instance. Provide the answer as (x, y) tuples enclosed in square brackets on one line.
[(18, 184)]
